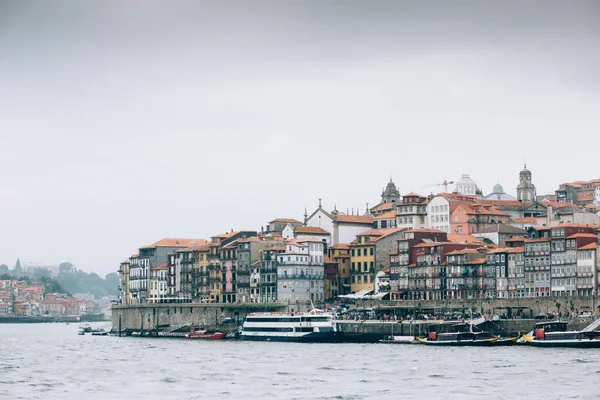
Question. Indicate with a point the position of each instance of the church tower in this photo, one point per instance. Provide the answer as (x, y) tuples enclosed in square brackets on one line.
[(390, 194), (526, 189)]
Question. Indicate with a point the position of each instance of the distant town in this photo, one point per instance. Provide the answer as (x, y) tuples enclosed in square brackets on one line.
[(457, 244), (49, 290)]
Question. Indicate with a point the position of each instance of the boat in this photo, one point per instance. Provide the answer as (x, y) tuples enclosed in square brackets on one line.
[(204, 334), (555, 334), (312, 326), (460, 337), (100, 333), (399, 339)]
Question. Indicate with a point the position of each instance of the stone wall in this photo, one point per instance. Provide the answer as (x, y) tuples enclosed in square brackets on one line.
[(524, 306), (153, 316)]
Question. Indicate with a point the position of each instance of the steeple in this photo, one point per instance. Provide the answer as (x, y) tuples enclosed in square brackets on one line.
[(526, 189), (305, 216)]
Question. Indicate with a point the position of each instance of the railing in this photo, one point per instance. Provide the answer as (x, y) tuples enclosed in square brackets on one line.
[(302, 276)]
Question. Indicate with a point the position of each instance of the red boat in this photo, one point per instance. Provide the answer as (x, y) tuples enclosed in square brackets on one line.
[(205, 335)]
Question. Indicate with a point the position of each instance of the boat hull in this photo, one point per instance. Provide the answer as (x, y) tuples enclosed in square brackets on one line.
[(482, 343), (316, 337), (576, 344)]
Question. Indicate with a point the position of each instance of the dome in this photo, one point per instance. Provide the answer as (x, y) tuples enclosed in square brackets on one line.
[(498, 189), (466, 180)]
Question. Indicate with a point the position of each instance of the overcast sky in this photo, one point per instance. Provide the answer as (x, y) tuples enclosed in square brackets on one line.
[(122, 124)]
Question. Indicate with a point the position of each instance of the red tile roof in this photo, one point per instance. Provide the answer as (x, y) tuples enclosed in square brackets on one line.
[(174, 242), (583, 235), (314, 230), (160, 267), (591, 246), (387, 215), (354, 219), (530, 220)]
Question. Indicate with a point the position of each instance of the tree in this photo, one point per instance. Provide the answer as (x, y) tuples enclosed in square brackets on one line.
[(65, 268), (18, 271), (3, 269)]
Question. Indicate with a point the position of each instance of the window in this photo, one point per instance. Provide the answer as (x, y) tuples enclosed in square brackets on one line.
[(371, 251)]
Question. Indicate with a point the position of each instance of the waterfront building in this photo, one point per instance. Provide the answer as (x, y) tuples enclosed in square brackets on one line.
[(228, 257), (268, 273), (340, 255), (428, 279), (138, 278), (331, 288), (248, 264), (587, 272), (151, 256), (499, 194), (300, 272), (526, 189), (369, 254), (516, 272), (158, 284), (537, 262), (124, 294), (188, 274), (412, 211), (405, 256)]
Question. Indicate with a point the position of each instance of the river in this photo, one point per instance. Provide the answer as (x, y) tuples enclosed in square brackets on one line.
[(50, 361)]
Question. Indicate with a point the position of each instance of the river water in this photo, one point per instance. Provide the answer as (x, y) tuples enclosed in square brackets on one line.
[(50, 361)]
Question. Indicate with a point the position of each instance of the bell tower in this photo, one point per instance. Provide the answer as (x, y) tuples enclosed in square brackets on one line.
[(526, 188)]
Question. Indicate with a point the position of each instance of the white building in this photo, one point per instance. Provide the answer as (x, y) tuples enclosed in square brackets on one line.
[(300, 272), (597, 196), (499, 194), (342, 227), (466, 185), (438, 213), (587, 274), (158, 283)]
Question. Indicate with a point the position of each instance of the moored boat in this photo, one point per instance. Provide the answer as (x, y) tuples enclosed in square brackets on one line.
[(400, 339), (313, 326), (555, 334), (204, 334), (460, 339)]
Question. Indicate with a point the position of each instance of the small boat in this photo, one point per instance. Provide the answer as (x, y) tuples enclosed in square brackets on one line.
[(555, 334), (460, 335), (460, 339), (399, 339), (100, 333), (204, 334), (507, 341)]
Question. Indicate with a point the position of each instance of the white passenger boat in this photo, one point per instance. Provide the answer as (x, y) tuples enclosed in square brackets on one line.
[(555, 334), (313, 326)]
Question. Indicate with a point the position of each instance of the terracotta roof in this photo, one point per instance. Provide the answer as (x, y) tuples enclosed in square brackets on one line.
[(200, 247), (463, 251), (505, 203), (341, 246), (531, 220), (424, 230), (286, 221), (412, 194), (538, 240), (515, 239), (432, 244), (575, 226), (459, 238), (387, 215), (174, 242), (591, 246), (355, 219), (160, 267), (383, 207), (311, 229), (377, 234), (327, 260), (476, 261), (583, 235), (558, 204)]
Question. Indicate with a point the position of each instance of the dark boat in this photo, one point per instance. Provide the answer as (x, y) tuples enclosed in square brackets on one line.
[(460, 339), (555, 334)]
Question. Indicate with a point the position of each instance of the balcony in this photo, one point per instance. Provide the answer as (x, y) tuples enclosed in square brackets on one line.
[(214, 267), (214, 279), (302, 276)]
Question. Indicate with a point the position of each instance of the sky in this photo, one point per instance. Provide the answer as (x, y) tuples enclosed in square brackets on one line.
[(122, 123)]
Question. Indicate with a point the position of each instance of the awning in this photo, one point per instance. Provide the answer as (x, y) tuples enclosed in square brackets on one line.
[(358, 295)]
